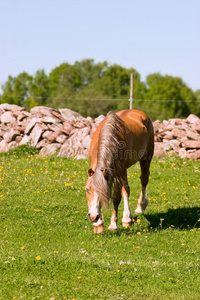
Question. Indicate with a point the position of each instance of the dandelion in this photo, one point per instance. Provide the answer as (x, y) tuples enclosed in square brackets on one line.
[(22, 248), (138, 220), (138, 232), (117, 271), (182, 244), (55, 252), (68, 184), (79, 277), (37, 210), (38, 257), (170, 278)]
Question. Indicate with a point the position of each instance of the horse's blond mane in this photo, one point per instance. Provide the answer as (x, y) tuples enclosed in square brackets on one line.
[(111, 141)]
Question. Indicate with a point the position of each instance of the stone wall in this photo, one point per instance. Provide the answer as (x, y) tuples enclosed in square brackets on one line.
[(64, 132), (67, 133), (180, 136)]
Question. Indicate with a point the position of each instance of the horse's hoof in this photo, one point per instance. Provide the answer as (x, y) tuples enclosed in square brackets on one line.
[(98, 229), (128, 224), (139, 211), (112, 228)]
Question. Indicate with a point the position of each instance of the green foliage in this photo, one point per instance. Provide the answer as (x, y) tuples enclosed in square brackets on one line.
[(95, 88), (168, 95), (48, 249), (20, 152), (16, 89), (39, 89)]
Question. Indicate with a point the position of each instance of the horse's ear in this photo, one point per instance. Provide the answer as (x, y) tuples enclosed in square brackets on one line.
[(90, 172)]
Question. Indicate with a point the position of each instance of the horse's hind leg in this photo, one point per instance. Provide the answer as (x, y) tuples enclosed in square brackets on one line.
[(127, 219), (116, 202), (143, 201)]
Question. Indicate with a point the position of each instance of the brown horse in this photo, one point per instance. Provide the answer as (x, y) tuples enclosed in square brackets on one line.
[(120, 140)]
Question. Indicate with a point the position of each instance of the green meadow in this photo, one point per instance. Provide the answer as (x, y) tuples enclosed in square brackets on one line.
[(48, 249)]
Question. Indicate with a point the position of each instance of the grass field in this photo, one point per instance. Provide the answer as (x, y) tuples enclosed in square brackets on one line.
[(48, 249)]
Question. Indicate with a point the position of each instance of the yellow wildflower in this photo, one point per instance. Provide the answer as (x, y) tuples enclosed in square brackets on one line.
[(68, 184)]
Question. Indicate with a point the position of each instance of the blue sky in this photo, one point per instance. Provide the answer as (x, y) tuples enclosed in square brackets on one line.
[(148, 35)]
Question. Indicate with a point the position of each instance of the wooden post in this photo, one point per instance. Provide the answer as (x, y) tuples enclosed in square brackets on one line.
[(131, 92)]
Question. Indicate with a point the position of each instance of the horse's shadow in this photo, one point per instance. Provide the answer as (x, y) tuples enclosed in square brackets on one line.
[(180, 218)]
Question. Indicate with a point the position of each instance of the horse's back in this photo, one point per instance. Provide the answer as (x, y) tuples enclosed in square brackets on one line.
[(141, 136), (135, 120)]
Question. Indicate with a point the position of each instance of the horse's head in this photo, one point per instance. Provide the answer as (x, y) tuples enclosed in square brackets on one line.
[(97, 193)]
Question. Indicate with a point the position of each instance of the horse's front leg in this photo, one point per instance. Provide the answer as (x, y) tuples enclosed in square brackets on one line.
[(127, 219), (116, 201)]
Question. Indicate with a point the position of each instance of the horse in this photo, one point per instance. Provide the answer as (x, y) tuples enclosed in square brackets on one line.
[(120, 140)]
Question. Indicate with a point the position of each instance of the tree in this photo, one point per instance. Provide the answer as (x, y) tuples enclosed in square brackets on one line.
[(54, 77), (168, 96), (8, 87), (197, 103), (90, 72), (16, 89), (39, 88), (95, 88)]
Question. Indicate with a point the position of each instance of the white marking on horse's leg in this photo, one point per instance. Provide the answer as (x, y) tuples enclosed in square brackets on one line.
[(127, 219), (116, 201), (142, 202), (114, 219)]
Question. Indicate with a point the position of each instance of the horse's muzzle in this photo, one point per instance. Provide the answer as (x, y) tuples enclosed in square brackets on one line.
[(93, 218)]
